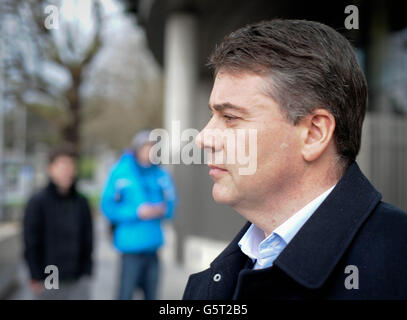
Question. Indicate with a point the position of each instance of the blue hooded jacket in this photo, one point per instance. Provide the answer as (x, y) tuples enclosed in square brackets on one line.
[(128, 187)]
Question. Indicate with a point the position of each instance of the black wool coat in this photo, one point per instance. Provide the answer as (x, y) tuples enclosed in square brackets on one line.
[(58, 231), (353, 247)]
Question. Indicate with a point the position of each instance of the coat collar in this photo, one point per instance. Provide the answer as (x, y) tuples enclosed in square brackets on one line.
[(232, 251), (315, 250)]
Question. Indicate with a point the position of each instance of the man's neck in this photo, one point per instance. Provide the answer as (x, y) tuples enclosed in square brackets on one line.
[(275, 209), (62, 191)]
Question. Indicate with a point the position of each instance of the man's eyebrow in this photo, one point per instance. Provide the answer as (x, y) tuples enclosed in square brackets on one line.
[(227, 105)]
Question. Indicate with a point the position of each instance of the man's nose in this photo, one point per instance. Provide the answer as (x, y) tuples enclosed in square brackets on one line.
[(207, 138)]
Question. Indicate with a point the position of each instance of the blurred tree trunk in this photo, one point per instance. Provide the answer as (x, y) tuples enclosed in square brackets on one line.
[(70, 132), (71, 55)]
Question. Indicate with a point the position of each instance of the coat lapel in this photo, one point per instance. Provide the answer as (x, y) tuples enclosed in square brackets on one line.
[(316, 249)]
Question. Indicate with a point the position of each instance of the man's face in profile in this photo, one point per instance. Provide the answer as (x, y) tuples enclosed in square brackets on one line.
[(239, 101)]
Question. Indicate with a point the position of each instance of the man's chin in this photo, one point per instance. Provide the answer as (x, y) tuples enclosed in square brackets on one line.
[(222, 196)]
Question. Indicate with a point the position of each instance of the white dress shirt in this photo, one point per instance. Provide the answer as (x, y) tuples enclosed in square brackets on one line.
[(263, 251)]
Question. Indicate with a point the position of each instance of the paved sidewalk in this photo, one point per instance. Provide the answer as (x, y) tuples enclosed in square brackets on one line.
[(106, 272)]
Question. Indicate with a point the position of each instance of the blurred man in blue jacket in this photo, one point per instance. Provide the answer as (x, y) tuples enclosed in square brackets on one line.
[(137, 197)]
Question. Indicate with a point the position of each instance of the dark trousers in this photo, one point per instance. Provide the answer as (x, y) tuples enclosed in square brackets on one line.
[(139, 270)]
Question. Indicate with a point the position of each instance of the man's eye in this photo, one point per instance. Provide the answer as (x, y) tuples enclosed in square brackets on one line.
[(229, 118)]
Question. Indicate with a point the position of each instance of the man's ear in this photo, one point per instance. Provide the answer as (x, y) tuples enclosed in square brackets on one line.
[(317, 130)]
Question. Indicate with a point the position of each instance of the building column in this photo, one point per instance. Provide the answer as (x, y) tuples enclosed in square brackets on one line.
[(181, 82), (181, 69)]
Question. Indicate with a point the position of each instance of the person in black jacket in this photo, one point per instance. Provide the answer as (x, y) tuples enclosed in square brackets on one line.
[(58, 233), (317, 228)]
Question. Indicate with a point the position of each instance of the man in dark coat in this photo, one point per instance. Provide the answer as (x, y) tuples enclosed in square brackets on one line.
[(317, 228), (58, 233)]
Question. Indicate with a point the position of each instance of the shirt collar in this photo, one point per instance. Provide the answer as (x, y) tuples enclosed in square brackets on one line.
[(250, 242), (291, 226), (254, 237)]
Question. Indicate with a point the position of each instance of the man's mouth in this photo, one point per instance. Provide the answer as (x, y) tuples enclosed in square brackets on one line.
[(216, 170)]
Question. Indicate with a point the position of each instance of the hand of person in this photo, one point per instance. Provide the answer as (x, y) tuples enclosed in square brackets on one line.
[(151, 211), (145, 211), (36, 286), (160, 209)]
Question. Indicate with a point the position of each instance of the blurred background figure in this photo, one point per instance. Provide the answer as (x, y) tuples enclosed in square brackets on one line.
[(137, 197), (58, 232)]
